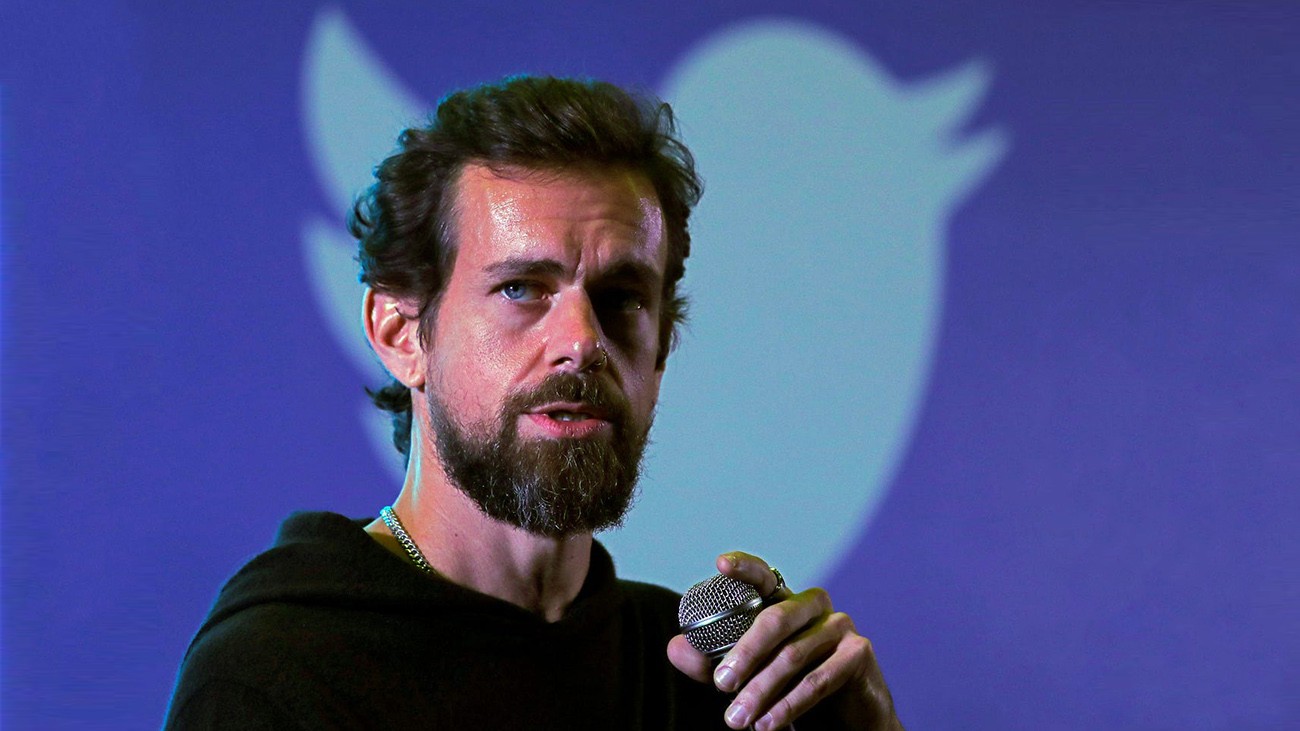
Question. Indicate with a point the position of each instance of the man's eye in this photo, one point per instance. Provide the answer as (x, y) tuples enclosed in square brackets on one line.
[(521, 291), (623, 300)]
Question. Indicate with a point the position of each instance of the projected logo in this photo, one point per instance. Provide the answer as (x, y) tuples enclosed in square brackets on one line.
[(816, 277)]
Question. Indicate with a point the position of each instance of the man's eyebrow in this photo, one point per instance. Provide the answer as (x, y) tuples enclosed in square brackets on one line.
[(628, 270), (631, 270), (520, 267)]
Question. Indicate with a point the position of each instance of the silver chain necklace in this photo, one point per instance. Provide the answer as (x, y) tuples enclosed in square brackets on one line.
[(404, 538)]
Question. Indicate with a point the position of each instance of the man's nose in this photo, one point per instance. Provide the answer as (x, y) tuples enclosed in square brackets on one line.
[(576, 342)]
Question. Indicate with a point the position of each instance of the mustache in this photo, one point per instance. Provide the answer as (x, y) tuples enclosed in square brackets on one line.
[(578, 388)]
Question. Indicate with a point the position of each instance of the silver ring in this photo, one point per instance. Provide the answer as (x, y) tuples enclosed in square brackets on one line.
[(604, 359), (780, 583)]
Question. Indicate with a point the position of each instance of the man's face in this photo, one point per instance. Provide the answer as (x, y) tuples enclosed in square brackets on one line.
[(542, 377)]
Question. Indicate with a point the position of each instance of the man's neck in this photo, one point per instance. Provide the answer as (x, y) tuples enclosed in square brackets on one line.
[(540, 574)]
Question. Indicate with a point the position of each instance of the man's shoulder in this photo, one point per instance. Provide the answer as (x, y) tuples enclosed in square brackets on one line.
[(283, 595), (255, 630), (266, 638), (290, 626), (241, 662), (273, 662)]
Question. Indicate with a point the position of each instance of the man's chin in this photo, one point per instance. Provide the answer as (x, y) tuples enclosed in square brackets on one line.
[(563, 516), (562, 533), (550, 474)]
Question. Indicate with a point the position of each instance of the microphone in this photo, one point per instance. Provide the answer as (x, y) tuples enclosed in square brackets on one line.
[(715, 612)]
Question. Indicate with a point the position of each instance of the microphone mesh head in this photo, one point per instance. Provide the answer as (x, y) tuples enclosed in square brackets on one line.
[(719, 595)]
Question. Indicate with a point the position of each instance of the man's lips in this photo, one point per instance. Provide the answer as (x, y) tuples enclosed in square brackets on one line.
[(569, 419), (570, 411)]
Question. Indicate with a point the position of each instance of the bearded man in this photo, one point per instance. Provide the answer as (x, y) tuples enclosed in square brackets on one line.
[(522, 254)]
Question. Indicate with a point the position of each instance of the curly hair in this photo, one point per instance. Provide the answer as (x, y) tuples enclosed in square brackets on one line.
[(404, 222)]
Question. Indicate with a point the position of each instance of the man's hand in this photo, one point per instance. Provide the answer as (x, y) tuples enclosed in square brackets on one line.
[(798, 653)]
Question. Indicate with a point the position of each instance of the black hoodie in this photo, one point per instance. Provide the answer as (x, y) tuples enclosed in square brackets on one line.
[(327, 629)]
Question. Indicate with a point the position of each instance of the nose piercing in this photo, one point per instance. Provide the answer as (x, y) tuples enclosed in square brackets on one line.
[(602, 361)]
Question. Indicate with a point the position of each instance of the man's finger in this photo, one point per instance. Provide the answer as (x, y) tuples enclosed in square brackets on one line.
[(773, 627), (752, 570), (814, 687), (762, 692), (689, 660)]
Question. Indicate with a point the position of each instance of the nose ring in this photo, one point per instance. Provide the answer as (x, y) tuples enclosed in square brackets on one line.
[(602, 361)]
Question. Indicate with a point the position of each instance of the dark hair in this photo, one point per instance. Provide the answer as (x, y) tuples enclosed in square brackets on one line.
[(404, 221)]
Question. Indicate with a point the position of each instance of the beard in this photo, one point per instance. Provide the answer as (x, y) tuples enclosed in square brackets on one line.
[(551, 487)]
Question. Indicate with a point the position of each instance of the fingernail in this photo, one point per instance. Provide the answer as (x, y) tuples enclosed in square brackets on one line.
[(764, 723), (737, 714), (724, 677), (731, 560)]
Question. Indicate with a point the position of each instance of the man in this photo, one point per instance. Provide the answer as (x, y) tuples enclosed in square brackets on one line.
[(522, 255)]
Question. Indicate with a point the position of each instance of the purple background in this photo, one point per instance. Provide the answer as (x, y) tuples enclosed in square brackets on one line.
[(1095, 522)]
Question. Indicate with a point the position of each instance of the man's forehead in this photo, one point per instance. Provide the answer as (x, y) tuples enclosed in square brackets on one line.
[(511, 204), (480, 181)]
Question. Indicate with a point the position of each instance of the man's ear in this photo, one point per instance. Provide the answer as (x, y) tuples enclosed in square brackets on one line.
[(393, 329)]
